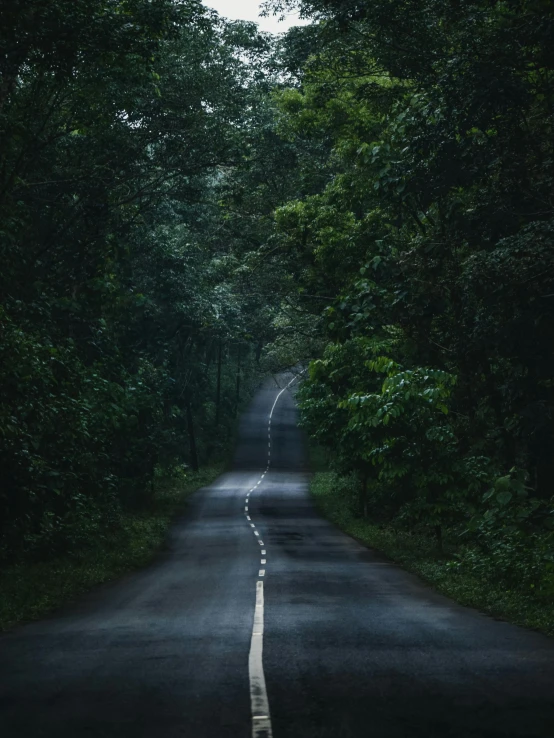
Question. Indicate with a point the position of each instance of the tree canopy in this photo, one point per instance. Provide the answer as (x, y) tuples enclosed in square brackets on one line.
[(183, 197), (434, 233)]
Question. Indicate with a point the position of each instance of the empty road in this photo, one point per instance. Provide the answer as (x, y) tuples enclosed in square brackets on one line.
[(261, 619)]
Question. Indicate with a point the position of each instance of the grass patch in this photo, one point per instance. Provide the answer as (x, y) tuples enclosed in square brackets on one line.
[(31, 590), (419, 554)]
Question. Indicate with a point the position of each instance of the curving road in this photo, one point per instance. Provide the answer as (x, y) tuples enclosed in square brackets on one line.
[(322, 640)]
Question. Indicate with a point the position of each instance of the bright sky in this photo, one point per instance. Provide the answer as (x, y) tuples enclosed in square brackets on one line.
[(248, 10)]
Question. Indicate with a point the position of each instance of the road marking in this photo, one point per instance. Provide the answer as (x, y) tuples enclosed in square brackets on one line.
[(261, 719), (252, 525), (249, 518), (279, 395), (259, 703)]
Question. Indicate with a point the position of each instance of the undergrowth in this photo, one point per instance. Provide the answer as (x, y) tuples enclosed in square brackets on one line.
[(418, 553), (29, 590)]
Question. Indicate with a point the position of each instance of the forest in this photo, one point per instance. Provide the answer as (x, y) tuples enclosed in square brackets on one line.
[(188, 204)]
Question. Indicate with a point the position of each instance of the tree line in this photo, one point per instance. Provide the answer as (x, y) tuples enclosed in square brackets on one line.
[(129, 326), (183, 197), (434, 237)]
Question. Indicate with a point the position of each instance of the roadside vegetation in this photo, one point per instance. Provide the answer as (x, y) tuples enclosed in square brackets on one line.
[(31, 589), (435, 236), (133, 311), (458, 571)]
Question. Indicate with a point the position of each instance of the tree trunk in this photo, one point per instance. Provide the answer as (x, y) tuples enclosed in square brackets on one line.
[(438, 534), (364, 504), (192, 439), (218, 386), (237, 397), (152, 475)]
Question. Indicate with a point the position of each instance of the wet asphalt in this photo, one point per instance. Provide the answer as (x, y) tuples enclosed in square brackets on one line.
[(354, 647)]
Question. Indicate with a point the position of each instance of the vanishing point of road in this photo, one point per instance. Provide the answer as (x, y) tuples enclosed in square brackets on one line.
[(261, 619)]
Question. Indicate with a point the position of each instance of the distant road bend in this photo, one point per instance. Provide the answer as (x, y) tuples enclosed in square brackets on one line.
[(264, 620)]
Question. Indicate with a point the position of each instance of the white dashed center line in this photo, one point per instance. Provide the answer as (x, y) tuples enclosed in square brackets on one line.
[(261, 720)]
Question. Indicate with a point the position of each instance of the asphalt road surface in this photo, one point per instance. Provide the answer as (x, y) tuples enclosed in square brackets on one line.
[(352, 645)]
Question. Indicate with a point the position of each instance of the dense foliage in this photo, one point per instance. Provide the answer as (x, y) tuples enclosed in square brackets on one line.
[(181, 197), (435, 234), (126, 340)]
